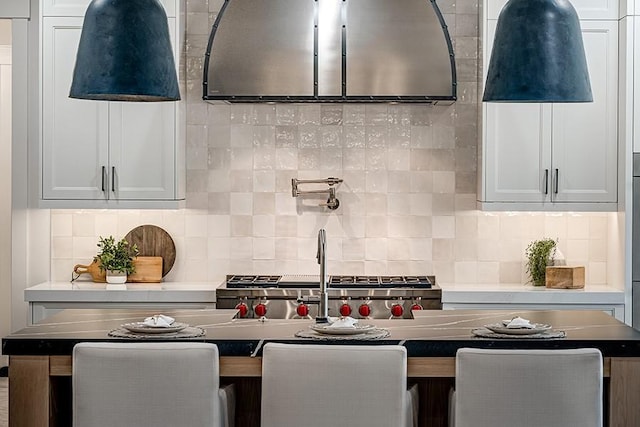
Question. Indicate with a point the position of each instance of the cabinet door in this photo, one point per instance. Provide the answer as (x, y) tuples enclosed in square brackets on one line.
[(585, 135), (142, 147), (517, 157), (516, 148), (142, 151), (74, 132)]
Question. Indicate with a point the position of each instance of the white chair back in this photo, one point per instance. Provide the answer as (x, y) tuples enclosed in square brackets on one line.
[(147, 384), (528, 388), (335, 385)]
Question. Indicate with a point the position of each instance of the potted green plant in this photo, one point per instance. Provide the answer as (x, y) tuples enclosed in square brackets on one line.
[(116, 258), (540, 254)]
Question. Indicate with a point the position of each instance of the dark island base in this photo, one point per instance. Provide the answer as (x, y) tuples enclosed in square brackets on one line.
[(434, 403)]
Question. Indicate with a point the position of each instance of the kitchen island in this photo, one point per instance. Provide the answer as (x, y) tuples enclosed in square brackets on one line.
[(40, 361)]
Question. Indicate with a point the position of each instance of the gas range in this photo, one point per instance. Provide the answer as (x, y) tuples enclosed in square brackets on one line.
[(294, 296)]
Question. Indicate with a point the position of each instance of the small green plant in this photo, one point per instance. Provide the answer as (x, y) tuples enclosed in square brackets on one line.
[(116, 256), (540, 254)]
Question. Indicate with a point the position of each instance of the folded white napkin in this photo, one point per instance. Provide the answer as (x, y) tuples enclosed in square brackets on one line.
[(343, 322), (519, 323), (159, 321)]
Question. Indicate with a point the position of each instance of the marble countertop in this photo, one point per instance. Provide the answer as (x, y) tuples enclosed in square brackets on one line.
[(86, 291), (432, 333)]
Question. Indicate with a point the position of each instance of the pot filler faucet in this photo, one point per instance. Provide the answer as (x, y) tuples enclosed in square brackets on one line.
[(323, 303)]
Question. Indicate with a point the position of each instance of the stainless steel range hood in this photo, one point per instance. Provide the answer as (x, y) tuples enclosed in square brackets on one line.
[(330, 51)]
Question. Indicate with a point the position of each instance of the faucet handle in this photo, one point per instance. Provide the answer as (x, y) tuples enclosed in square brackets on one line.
[(322, 241), (332, 204)]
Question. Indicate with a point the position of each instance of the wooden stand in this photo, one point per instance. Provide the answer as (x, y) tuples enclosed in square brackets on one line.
[(564, 277)]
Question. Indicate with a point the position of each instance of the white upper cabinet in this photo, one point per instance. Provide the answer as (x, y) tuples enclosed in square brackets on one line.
[(15, 9), (79, 7), (586, 9), (556, 156), (99, 153)]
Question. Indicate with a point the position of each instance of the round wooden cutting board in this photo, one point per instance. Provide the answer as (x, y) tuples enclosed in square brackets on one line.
[(154, 241)]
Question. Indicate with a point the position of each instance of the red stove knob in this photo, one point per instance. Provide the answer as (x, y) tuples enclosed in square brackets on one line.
[(302, 310), (364, 310), (397, 310), (243, 310), (345, 310), (416, 306), (260, 309)]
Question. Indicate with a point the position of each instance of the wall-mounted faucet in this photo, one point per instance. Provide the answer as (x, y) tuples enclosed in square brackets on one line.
[(332, 201)]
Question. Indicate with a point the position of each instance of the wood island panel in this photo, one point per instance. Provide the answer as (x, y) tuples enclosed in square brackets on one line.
[(624, 392), (29, 390)]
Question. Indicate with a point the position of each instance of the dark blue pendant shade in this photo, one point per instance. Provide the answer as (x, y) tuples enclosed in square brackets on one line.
[(125, 53), (538, 55)]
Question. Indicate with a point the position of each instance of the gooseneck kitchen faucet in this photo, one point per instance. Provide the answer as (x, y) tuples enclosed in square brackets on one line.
[(323, 303)]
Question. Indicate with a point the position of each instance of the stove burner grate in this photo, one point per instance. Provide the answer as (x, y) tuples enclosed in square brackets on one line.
[(337, 282), (247, 281)]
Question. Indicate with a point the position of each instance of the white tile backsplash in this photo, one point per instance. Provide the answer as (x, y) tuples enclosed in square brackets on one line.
[(407, 203)]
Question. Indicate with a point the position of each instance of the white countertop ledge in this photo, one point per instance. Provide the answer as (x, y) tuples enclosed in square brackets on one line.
[(136, 292), (518, 293)]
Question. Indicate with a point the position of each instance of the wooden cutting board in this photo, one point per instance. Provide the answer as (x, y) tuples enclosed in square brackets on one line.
[(153, 241), (148, 270)]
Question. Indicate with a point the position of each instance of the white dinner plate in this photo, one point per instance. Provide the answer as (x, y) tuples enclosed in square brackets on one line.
[(346, 330), (501, 329), (141, 328)]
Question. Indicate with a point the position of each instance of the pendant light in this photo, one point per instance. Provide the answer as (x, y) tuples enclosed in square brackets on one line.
[(125, 53), (538, 55)]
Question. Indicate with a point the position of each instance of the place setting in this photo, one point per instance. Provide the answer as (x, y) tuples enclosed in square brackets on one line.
[(343, 328), (158, 326), (518, 327)]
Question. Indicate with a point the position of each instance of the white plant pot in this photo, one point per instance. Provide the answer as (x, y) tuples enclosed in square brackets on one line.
[(116, 277)]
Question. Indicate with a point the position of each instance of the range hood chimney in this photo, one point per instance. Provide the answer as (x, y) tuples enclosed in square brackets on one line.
[(330, 51)]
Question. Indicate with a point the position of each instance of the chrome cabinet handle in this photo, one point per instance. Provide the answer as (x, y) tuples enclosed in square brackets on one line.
[(104, 178), (556, 183), (113, 178), (546, 181)]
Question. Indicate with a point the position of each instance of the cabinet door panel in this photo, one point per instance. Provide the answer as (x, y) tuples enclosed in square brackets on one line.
[(74, 132), (585, 135), (142, 151), (517, 152), (586, 9)]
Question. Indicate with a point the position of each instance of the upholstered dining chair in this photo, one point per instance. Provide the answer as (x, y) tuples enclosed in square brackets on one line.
[(149, 384), (527, 388), (336, 385)]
